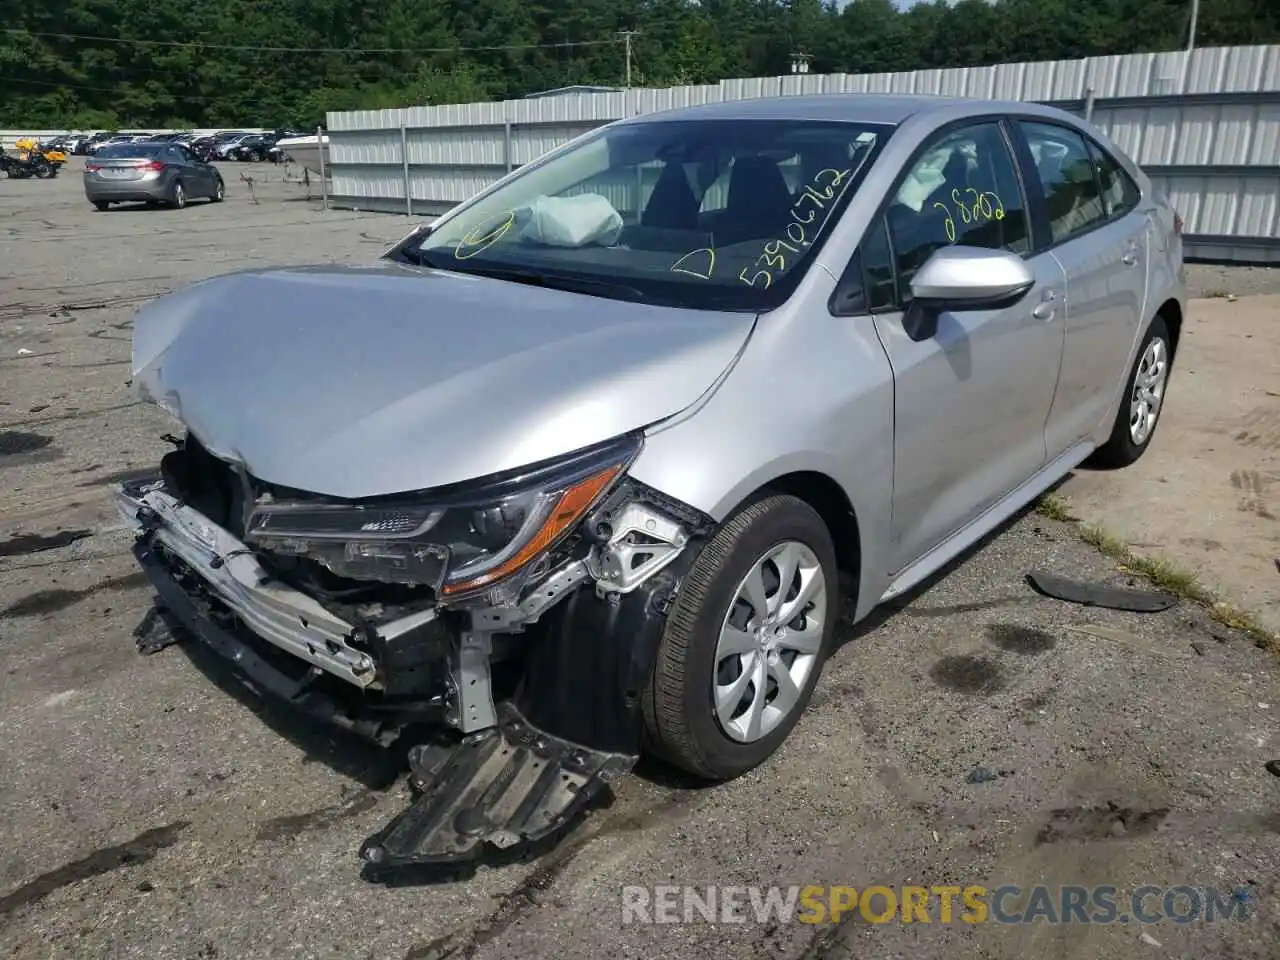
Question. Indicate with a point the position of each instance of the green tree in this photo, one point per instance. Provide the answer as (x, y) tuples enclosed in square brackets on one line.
[(140, 63)]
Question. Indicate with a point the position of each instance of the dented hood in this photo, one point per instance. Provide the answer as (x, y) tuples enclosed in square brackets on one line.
[(362, 381)]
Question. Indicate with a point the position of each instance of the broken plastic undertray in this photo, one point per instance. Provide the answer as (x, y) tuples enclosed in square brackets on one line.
[(509, 791), (1099, 595)]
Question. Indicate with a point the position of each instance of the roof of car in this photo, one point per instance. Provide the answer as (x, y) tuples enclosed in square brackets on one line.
[(851, 107)]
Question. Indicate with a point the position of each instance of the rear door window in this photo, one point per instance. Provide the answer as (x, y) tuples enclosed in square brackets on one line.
[(1065, 169)]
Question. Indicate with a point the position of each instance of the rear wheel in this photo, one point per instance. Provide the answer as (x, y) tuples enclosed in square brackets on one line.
[(1142, 403), (178, 196), (745, 642), (102, 206), (219, 191)]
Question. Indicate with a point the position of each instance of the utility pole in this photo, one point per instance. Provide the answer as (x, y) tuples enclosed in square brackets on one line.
[(1195, 18), (626, 36)]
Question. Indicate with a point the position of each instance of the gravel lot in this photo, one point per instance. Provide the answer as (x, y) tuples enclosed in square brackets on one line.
[(156, 810)]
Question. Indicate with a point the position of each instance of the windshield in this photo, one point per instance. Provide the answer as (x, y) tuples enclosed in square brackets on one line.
[(130, 150), (721, 214)]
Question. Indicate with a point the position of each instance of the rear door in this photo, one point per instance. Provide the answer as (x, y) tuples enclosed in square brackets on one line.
[(198, 175), (1091, 223), (970, 401)]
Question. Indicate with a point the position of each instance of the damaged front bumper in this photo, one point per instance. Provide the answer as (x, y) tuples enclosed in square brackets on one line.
[(179, 538), (505, 774)]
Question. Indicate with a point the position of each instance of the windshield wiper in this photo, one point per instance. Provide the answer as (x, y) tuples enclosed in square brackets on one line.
[(587, 285)]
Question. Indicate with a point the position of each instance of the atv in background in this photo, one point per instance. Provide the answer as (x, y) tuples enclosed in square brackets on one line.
[(22, 166)]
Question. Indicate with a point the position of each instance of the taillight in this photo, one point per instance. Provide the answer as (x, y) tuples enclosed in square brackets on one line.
[(155, 166), (92, 167), (1177, 224)]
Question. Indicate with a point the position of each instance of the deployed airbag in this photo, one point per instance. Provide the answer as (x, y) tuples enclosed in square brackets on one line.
[(572, 221)]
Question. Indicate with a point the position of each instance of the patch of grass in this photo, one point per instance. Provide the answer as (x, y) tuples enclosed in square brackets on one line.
[(1160, 573), (1055, 508), (1216, 294)]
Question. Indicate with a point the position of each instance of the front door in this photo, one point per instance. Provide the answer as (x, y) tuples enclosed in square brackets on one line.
[(1100, 238), (970, 402)]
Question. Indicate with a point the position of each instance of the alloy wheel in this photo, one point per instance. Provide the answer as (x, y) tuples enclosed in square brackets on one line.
[(769, 642), (1147, 394)]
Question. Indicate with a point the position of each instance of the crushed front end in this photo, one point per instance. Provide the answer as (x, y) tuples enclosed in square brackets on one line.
[(514, 620)]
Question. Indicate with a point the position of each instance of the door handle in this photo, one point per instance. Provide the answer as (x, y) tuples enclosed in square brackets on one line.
[(1047, 306)]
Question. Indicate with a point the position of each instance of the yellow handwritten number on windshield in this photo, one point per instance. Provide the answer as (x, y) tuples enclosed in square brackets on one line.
[(815, 197)]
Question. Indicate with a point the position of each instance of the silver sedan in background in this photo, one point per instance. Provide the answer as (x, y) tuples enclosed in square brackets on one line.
[(155, 172), (616, 427)]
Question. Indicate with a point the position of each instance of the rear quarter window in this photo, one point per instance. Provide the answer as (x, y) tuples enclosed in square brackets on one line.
[(1120, 194)]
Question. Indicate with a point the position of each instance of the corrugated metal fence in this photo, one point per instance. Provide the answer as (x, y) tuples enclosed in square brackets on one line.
[(1204, 125)]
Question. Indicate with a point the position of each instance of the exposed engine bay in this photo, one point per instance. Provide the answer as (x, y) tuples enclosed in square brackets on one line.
[(501, 630)]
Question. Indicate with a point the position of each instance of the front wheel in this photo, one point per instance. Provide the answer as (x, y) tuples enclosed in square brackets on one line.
[(745, 641), (44, 171), (1142, 403), (102, 206)]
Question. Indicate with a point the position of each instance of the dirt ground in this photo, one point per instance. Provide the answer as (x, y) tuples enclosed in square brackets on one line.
[(156, 810), (1207, 494)]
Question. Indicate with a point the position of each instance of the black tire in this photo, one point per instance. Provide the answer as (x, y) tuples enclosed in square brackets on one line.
[(102, 205), (219, 191), (44, 171), (177, 195), (679, 722), (1121, 450)]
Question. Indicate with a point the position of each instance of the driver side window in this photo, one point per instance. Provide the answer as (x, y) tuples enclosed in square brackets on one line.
[(963, 189)]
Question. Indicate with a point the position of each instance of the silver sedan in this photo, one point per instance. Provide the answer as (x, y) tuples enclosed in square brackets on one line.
[(156, 172), (584, 465)]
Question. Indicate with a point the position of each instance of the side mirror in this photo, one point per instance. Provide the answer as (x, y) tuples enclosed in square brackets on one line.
[(970, 278), (964, 278)]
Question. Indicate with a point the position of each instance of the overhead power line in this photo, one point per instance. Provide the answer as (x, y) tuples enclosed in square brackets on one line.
[(252, 48), (71, 85)]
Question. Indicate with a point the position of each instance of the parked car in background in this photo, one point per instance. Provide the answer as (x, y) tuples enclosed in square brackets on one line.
[(253, 148), (202, 148), (93, 141), (116, 139), (716, 361), (225, 145), (156, 173)]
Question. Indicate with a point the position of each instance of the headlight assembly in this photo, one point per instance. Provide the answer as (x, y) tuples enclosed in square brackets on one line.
[(458, 541)]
